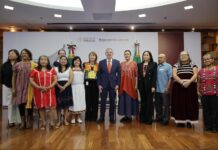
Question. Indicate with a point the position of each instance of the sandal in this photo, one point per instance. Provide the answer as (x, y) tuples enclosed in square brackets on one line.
[(42, 127), (58, 125), (66, 123), (51, 126)]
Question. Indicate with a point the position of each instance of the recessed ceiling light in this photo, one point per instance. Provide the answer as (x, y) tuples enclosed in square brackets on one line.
[(163, 30), (124, 5), (142, 15), (188, 7), (8, 7), (102, 29), (71, 28), (132, 28), (58, 15), (74, 5)]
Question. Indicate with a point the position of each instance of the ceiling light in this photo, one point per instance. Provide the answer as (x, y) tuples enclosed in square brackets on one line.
[(162, 30), (188, 7), (132, 28), (193, 29), (58, 15), (142, 15), (12, 29), (125, 5), (71, 28), (8, 7), (74, 5), (102, 29)]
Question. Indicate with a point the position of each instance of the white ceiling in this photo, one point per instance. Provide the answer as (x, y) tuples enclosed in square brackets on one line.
[(100, 13)]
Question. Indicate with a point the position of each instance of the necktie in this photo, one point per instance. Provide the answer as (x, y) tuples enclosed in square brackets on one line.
[(109, 66)]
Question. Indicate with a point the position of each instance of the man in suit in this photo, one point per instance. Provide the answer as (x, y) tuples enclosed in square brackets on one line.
[(108, 82)]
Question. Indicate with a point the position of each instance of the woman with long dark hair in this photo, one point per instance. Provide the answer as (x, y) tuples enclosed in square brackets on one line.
[(6, 79), (147, 74), (63, 89), (21, 88), (78, 90), (44, 79)]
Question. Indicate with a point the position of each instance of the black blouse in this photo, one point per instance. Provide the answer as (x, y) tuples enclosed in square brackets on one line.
[(6, 74)]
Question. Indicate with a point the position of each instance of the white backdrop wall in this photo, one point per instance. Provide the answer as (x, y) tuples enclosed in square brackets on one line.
[(48, 43), (192, 43)]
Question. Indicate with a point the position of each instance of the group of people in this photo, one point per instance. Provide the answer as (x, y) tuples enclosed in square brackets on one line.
[(139, 88)]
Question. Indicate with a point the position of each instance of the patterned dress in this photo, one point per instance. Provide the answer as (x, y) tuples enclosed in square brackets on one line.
[(44, 78), (23, 88), (185, 100)]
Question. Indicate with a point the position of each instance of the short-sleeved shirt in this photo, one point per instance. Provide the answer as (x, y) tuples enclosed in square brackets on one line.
[(164, 73)]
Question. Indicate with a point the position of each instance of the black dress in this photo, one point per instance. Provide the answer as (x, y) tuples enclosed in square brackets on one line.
[(185, 100)]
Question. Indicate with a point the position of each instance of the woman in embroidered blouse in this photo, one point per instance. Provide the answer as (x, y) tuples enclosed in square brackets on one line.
[(91, 87), (21, 88), (208, 91), (128, 102), (43, 79)]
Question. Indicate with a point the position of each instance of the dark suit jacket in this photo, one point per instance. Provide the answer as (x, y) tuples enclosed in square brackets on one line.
[(149, 80), (104, 77)]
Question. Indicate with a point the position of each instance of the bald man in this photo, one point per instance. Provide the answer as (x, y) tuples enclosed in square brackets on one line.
[(164, 75)]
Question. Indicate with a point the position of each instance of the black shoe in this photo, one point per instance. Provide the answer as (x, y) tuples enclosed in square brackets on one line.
[(158, 120), (11, 125), (208, 129), (101, 120), (124, 119), (129, 119), (112, 120), (180, 125), (189, 125), (215, 130), (148, 122), (165, 123)]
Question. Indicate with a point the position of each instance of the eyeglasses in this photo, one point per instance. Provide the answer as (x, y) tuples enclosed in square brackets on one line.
[(207, 59)]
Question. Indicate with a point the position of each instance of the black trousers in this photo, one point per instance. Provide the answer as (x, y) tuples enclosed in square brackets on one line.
[(162, 107), (92, 97), (22, 110), (210, 112), (147, 106)]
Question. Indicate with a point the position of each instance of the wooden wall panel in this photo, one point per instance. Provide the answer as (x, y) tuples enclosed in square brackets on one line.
[(171, 44)]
